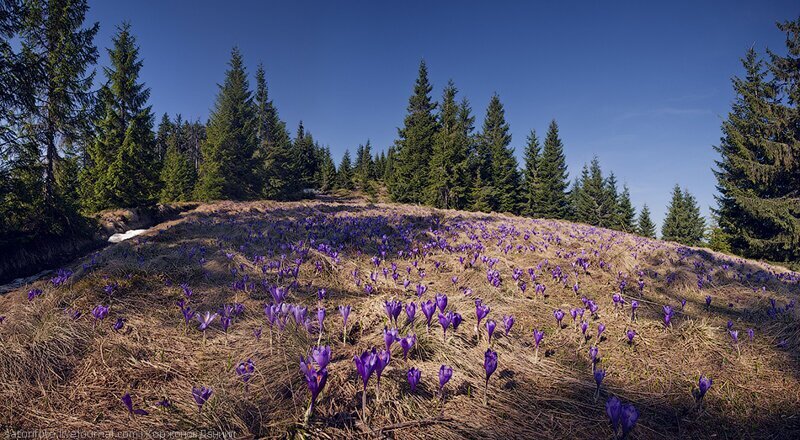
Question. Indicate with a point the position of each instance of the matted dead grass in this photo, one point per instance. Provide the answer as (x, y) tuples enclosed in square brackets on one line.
[(60, 373)]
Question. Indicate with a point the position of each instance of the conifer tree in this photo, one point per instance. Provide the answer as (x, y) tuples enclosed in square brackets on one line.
[(626, 214), (531, 180), (410, 169), (228, 167), (165, 129), (595, 202), (447, 166), (551, 194), (327, 171), (758, 174), (124, 157), (611, 209), (645, 226), (503, 177), (53, 99), (683, 222), (344, 174), (364, 169), (305, 160)]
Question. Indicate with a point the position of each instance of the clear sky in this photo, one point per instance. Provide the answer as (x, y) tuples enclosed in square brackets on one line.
[(642, 85)]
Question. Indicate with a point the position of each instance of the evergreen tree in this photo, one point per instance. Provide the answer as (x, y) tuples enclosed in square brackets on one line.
[(380, 165), (124, 157), (758, 174), (178, 174), (54, 98), (327, 171), (447, 187), (305, 160), (275, 153), (410, 171), (611, 210), (502, 166), (531, 180), (551, 195), (626, 214), (683, 222), (345, 173), (673, 222), (364, 169), (227, 170), (461, 193), (645, 226), (595, 201), (165, 129)]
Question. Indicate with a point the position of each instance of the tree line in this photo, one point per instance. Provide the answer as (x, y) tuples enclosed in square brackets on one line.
[(67, 150)]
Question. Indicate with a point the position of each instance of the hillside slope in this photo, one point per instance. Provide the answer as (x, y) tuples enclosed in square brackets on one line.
[(60, 368)]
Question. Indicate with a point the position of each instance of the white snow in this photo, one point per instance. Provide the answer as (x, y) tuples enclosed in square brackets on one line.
[(118, 237)]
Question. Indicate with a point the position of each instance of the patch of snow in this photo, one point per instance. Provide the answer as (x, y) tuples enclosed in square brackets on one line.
[(118, 237)]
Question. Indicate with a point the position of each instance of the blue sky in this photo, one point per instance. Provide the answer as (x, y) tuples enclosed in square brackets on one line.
[(642, 85)]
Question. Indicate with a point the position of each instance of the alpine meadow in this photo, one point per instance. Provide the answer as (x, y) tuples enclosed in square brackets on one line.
[(604, 244)]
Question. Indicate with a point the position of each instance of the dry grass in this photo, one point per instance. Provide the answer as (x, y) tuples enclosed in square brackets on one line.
[(56, 372)]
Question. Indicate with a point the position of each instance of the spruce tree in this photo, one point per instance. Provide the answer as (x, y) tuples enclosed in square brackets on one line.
[(683, 222), (344, 174), (551, 195), (305, 160), (56, 53), (595, 202), (461, 192), (759, 168), (503, 175), (611, 209), (327, 171), (645, 226), (124, 157), (626, 214), (228, 167), (531, 180), (415, 144), (446, 187), (165, 129)]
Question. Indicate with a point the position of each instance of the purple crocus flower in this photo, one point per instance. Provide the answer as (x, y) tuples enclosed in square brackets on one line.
[(100, 312), (322, 293), (628, 417), (667, 315), (634, 306), (489, 365), (201, 396), (614, 411), (490, 326), (441, 301), (321, 355), (630, 334), (594, 355), (750, 334), (537, 339), (584, 327), (600, 329), (119, 324), (559, 315), (206, 320), (411, 311), (345, 312), (413, 376), (445, 319), (445, 373), (599, 375), (393, 309), (457, 319), (702, 387), (365, 364), (315, 380), (708, 301), (428, 307), (389, 337), (245, 371), (734, 335), (384, 357), (126, 399), (406, 344), (33, 293), (508, 322), (257, 333)]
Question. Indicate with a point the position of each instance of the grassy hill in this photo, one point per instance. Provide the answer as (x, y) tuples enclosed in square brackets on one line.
[(61, 368)]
